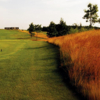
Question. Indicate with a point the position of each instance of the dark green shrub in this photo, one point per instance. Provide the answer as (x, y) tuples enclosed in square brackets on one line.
[(31, 29), (72, 30), (52, 30)]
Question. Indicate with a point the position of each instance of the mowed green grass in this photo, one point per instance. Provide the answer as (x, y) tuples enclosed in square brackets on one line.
[(12, 34), (28, 70)]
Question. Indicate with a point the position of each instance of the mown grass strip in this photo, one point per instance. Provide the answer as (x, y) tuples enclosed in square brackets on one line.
[(28, 70), (31, 74)]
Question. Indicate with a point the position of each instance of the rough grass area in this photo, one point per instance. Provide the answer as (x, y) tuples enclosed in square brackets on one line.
[(80, 55), (28, 69)]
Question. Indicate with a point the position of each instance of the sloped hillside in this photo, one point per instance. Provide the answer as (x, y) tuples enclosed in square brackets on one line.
[(80, 53)]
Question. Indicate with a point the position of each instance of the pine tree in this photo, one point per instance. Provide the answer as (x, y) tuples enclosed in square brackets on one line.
[(62, 27), (91, 14), (31, 28), (52, 30)]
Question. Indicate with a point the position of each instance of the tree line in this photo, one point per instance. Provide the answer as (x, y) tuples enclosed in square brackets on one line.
[(63, 29), (33, 28)]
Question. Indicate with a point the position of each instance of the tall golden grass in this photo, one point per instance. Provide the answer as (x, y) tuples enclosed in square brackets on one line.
[(80, 53), (41, 35), (24, 31)]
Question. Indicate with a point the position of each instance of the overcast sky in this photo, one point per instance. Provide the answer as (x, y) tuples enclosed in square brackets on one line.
[(20, 13)]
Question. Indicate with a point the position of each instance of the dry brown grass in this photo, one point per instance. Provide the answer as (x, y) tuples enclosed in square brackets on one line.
[(24, 31), (40, 36), (81, 56)]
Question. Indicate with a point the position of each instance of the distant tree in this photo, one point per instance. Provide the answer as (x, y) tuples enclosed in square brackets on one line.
[(99, 20), (80, 25), (45, 28), (75, 25), (52, 30), (91, 14), (31, 29), (62, 27), (38, 28)]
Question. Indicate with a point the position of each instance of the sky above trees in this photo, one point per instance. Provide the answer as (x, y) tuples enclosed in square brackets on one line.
[(20, 13)]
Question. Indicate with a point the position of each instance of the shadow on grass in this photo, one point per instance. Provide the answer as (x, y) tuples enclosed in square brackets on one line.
[(39, 37), (53, 55), (24, 38), (34, 38), (52, 47), (38, 47), (59, 71), (66, 81)]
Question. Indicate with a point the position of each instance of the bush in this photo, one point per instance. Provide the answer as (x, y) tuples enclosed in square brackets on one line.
[(52, 30), (82, 29), (76, 30), (72, 30)]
